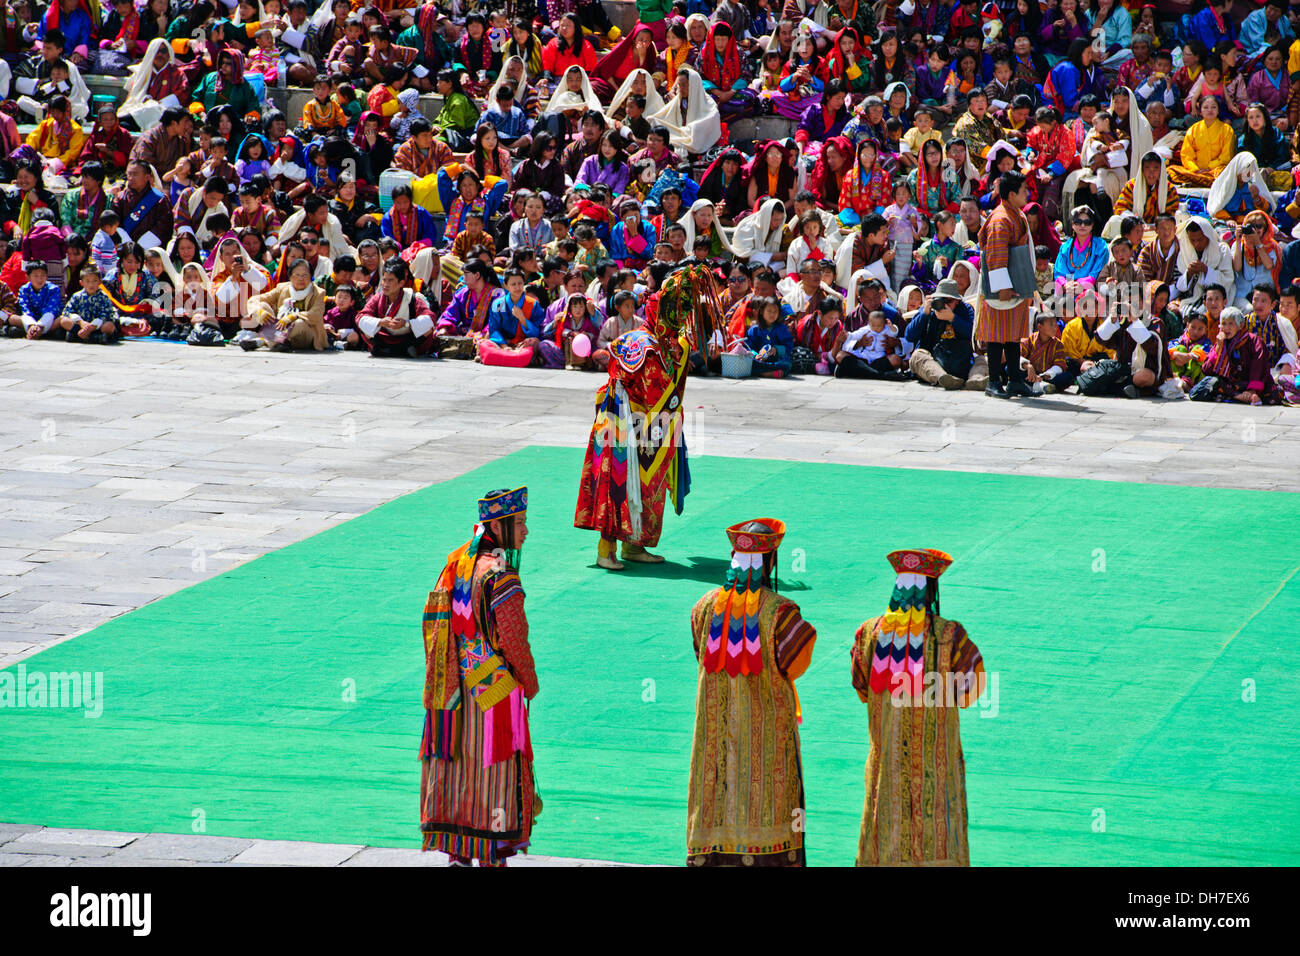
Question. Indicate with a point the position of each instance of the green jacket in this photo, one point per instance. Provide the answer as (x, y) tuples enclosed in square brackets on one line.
[(652, 11), (241, 97), (458, 113)]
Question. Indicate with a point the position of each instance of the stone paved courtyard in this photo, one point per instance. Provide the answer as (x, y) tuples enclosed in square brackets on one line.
[(130, 472)]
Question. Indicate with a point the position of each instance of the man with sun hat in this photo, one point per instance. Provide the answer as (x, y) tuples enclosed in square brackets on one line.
[(745, 802), (914, 669)]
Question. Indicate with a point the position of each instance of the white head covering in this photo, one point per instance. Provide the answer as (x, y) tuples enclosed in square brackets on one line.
[(701, 128), (521, 87), (690, 21), (687, 222), (972, 293), (1225, 184), (1140, 188), (563, 99), (752, 234), (1141, 138), (889, 91), (137, 86), (904, 294), (1215, 257), (410, 98), (1001, 146), (653, 101)]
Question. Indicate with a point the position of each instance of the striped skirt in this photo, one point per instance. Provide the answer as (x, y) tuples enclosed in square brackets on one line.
[(1002, 325)]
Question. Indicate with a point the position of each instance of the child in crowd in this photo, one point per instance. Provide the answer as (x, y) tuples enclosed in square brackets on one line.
[(771, 340), (905, 228), (103, 245), (1188, 352), (341, 319), (89, 315), (1044, 272), (1047, 367), (322, 112), (39, 303), (810, 243), (937, 254)]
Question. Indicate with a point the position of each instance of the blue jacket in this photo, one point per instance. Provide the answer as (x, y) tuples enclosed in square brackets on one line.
[(75, 27), (503, 327), (1252, 31), (779, 337), (1202, 26), (947, 342)]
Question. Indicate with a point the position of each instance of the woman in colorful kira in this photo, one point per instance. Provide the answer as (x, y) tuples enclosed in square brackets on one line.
[(477, 797), (745, 802), (636, 456), (913, 669)]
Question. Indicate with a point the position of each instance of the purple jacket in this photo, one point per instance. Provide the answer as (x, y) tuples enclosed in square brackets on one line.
[(459, 315), (593, 173), (813, 122)]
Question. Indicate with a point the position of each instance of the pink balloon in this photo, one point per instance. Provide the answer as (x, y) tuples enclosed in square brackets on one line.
[(581, 345)]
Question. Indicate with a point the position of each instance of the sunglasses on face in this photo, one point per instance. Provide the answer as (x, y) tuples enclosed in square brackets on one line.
[(1083, 222), (736, 279)]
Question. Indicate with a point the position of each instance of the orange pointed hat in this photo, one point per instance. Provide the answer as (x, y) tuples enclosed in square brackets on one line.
[(756, 542), (926, 561)]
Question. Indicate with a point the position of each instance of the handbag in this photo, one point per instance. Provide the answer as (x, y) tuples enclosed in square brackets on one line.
[(1106, 377), (803, 361), (205, 335)]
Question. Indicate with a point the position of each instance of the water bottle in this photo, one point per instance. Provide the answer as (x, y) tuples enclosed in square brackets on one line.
[(282, 68)]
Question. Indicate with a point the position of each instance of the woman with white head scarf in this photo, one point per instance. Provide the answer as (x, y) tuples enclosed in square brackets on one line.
[(1239, 190), (653, 101), (703, 209), (1203, 260), (156, 84), (758, 237), (970, 295), (698, 127), (565, 98), (520, 85)]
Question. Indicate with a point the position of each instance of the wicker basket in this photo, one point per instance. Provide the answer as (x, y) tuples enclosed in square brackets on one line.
[(737, 364)]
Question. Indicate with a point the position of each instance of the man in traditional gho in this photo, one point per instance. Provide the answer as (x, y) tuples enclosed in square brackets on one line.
[(745, 802), (477, 798), (913, 669), (636, 456), (1007, 288)]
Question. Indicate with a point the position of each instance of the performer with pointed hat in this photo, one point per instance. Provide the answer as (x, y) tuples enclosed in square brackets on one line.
[(477, 799), (745, 803), (914, 669)]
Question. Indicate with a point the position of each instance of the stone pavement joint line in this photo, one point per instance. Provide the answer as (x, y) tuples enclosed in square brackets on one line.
[(25, 845)]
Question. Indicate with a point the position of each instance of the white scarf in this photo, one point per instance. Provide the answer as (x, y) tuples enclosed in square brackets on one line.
[(751, 235), (1226, 183), (565, 99), (521, 87), (701, 127), (653, 101), (687, 222)]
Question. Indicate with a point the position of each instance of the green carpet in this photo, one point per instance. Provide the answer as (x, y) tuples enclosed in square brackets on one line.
[(1121, 736)]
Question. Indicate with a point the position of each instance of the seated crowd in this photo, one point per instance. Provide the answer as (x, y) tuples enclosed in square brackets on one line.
[(529, 213)]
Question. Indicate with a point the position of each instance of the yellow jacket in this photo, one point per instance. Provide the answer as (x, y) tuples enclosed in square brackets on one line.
[(1208, 148), (44, 139), (1079, 345)]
